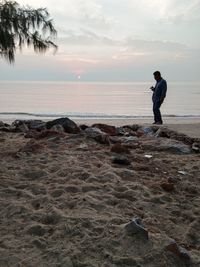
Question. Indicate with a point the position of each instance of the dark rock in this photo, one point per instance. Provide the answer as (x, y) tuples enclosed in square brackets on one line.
[(128, 139), (8, 129), (139, 133), (118, 148), (58, 128), (31, 124), (120, 131), (147, 130), (115, 139), (177, 147), (184, 255), (167, 186), (68, 125), (173, 247), (2, 124), (83, 127), (180, 252), (162, 133), (121, 160), (155, 128), (126, 131), (135, 227), (133, 127), (110, 130), (98, 135), (23, 128), (167, 133), (163, 144)]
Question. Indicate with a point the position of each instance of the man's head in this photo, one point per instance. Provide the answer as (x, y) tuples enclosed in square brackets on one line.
[(157, 75)]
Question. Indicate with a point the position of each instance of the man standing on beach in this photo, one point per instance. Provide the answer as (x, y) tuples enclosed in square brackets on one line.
[(159, 93)]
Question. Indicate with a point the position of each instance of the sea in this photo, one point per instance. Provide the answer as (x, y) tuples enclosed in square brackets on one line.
[(92, 100)]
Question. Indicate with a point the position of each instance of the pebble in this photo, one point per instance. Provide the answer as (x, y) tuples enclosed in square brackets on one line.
[(121, 160), (182, 172), (167, 186), (135, 227), (148, 156), (196, 147), (180, 252)]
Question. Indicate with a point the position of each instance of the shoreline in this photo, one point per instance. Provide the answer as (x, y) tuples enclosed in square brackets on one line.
[(118, 120)]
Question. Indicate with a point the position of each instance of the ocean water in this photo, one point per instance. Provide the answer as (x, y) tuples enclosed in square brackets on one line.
[(27, 100)]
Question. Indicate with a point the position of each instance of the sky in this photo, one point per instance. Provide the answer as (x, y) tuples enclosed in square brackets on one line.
[(115, 41)]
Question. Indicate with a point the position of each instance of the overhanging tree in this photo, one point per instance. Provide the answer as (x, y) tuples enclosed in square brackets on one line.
[(21, 26)]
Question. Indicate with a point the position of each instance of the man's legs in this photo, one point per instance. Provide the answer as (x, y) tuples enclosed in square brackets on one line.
[(156, 111)]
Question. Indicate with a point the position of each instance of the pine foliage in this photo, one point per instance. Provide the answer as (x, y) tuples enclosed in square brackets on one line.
[(21, 26)]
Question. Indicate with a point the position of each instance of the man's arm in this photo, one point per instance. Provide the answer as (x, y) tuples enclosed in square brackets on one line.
[(164, 91)]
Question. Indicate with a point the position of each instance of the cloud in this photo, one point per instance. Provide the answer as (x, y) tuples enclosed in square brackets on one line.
[(86, 38), (128, 56), (183, 12), (145, 52), (155, 45), (110, 35), (91, 12), (77, 58), (170, 11), (66, 12)]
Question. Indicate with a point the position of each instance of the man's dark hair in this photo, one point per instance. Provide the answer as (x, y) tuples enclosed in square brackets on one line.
[(157, 73)]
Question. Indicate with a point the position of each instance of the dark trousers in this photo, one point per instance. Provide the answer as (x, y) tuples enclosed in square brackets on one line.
[(156, 112)]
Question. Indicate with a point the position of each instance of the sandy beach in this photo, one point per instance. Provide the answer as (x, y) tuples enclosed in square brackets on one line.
[(88, 176), (127, 197)]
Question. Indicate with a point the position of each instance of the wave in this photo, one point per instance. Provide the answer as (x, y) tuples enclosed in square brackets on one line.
[(87, 115)]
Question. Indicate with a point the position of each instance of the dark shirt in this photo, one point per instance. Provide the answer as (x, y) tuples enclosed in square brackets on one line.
[(159, 92)]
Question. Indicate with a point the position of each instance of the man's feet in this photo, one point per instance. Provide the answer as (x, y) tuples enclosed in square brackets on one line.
[(157, 122)]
